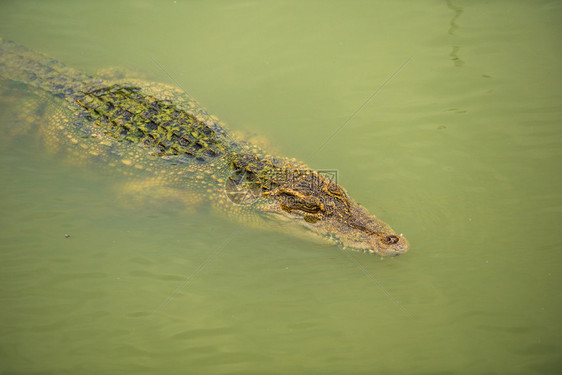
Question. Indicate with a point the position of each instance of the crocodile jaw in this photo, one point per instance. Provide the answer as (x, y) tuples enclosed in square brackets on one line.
[(341, 233)]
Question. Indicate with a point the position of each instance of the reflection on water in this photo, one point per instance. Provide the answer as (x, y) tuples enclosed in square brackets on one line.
[(454, 27)]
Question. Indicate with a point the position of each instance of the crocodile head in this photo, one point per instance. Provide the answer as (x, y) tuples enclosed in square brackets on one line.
[(320, 206)]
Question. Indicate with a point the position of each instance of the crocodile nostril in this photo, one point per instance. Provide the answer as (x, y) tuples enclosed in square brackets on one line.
[(391, 240)]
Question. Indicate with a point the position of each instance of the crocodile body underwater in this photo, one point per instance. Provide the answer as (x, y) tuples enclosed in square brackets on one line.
[(159, 132)]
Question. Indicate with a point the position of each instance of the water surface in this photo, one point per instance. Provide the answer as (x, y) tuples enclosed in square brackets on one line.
[(459, 148)]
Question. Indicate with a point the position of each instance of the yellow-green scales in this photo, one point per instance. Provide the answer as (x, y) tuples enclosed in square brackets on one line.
[(161, 133)]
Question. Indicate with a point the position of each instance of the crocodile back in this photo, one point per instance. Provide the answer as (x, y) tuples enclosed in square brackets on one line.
[(21, 64)]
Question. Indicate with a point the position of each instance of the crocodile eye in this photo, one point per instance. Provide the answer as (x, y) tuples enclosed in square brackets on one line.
[(391, 240), (306, 207), (311, 208)]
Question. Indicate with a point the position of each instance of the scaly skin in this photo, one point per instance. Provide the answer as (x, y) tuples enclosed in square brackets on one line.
[(160, 131)]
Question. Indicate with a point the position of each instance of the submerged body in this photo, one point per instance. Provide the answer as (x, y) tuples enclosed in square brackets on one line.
[(161, 131)]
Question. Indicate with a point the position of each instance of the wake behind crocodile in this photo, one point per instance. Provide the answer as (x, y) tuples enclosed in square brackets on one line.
[(187, 153)]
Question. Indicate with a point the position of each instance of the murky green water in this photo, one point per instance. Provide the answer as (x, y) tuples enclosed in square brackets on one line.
[(460, 150)]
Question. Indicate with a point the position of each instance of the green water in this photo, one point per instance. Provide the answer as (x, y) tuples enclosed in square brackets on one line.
[(460, 149)]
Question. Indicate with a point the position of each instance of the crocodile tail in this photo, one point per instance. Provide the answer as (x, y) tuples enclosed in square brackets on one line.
[(20, 64)]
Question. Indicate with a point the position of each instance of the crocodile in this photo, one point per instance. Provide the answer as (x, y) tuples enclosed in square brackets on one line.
[(159, 131)]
